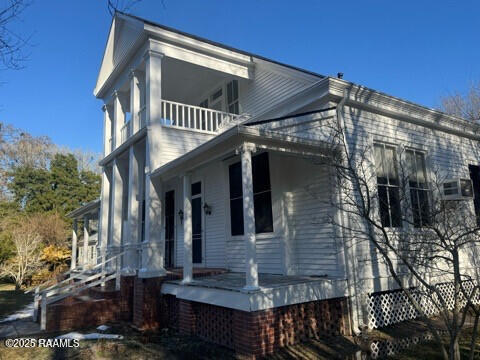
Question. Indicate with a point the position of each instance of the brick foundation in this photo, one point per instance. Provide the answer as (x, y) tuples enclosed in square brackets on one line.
[(249, 334), (258, 333)]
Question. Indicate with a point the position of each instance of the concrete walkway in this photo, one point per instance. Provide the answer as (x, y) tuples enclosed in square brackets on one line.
[(19, 328)]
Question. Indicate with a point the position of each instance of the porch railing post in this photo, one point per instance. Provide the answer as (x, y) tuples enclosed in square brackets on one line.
[(43, 315), (36, 303), (117, 277), (103, 268)]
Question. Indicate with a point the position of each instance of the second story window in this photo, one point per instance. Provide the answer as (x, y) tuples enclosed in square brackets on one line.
[(417, 181), (388, 185), (232, 97)]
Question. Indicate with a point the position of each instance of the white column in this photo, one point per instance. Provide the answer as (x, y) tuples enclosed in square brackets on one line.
[(73, 263), (134, 99), (187, 229), (153, 97), (131, 238), (118, 118), (103, 230), (86, 234), (107, 129), (251, 266), (153, 247), (116, 207)]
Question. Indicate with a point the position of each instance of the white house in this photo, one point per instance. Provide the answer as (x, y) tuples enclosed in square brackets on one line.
[(211, 167)]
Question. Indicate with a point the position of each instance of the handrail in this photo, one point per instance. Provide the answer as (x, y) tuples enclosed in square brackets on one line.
[(71, 289)]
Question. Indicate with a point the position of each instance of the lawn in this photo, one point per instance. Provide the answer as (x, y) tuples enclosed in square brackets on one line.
[(11, 300)]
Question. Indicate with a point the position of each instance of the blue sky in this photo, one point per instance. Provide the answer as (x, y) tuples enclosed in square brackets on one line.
[(416, 50)]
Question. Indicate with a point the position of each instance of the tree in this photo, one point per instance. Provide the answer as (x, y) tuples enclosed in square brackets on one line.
[(466, 106), (26, 260), (11, 43), (420, 238)]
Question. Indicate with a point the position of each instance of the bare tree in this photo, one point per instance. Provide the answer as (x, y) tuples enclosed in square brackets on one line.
[(466, 106), (120, 5), (12, 44), (27, 256), (393, 206)]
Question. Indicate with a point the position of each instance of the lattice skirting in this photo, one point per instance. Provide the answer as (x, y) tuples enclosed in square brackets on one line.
[(391, 307)]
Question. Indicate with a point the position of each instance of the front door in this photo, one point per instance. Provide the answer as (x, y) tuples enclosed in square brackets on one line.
[(197, 222), (169, 227)]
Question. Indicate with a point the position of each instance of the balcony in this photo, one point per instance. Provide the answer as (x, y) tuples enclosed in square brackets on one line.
[(183, 116)]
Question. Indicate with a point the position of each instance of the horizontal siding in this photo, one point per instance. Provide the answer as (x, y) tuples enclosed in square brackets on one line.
[(269, 88)]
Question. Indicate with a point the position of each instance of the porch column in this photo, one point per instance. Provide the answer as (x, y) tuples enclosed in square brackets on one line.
[(107, 129), (86, 231), (134, 100), (153, 97), (73, 263), (103, 231), (153, 246), (251, 266), (116, 207), (118, 119), (187, 229), (131, 238)]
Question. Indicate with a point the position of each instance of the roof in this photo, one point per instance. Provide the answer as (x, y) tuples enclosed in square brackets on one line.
[(227, 47), (88, 208)]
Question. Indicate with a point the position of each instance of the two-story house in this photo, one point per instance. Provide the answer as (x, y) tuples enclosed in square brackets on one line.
[(214, 206)]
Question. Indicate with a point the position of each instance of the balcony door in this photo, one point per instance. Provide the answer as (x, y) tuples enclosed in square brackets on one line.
[(197, 221)]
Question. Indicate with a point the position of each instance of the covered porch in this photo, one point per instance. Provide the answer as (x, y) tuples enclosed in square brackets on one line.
[(256, 256), (84, 247)]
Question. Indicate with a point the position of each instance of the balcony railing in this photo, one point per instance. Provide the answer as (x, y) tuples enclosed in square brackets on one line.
[(195, 117), (174, 114)]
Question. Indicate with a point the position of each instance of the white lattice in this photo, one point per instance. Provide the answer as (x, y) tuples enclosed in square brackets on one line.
[(382, 349), (393, 307)]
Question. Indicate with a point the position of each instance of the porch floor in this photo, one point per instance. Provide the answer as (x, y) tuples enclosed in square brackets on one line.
[(235, 281)]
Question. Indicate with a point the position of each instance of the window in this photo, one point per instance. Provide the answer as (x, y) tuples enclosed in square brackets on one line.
[(232, 97), (475, 177), (419, 192), (388, 185), (262, 196)]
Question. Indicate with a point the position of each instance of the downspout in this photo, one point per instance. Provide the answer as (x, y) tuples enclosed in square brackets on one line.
[(349, 256)]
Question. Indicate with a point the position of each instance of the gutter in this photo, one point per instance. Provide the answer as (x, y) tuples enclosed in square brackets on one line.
[(350, 266)]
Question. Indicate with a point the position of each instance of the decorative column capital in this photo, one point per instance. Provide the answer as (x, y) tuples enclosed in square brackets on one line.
[(246, 147), (133, 73), (152, 53)]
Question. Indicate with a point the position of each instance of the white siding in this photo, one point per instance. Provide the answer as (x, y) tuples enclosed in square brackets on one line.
[(308, 209), (270, 87)]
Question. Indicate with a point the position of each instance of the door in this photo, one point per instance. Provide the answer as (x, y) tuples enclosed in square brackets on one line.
[(197, 222), (475, 177), (169, 227)]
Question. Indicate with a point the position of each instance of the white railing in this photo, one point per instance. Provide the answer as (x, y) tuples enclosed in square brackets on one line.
[(195, 117), (125, 131), (183, 116), (97, 275)]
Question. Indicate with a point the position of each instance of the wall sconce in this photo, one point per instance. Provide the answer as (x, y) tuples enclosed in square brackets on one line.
[(180, 215), (207, 208)]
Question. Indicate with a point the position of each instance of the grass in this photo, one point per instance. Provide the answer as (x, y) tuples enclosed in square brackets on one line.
[(11, 300)]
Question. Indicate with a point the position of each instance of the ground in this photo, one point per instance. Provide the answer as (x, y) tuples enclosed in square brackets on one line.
[(167, 344), (11, 300)]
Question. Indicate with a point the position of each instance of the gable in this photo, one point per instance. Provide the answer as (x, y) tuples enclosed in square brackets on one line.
[(124, 33)]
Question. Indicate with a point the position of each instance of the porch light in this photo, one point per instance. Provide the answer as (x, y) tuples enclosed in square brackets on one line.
[(180, 215), (207, 208)]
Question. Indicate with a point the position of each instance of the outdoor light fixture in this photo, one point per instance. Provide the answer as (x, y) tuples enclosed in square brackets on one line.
[(208, 209), (180, 214)]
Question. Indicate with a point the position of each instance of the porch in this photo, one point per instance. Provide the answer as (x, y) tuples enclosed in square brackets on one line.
[(228, 290)]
